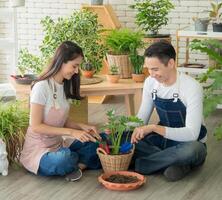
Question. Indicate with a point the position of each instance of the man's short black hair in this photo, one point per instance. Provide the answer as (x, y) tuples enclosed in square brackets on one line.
[(162, 50)]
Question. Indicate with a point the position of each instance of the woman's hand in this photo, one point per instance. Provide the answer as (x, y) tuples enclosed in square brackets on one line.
[(91, 130), (140, 132), (82, 136)]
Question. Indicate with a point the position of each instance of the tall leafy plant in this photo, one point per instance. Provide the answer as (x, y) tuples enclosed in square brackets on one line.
[(212, 93), (13, 122), (119, 127), (123, 41), (81, 27), (137, 62), (152, 14)]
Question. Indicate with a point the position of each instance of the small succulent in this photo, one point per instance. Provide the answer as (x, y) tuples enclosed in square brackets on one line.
[(114, 70)]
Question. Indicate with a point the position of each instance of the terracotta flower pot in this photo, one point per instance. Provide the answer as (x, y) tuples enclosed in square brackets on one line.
[(87, 74), (122, 186), (113, 78), (138, 77)]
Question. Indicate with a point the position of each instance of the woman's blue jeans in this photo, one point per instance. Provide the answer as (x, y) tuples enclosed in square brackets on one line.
[(65, 160)]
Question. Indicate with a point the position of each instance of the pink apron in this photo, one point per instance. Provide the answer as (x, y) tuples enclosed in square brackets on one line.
[(36, 145)]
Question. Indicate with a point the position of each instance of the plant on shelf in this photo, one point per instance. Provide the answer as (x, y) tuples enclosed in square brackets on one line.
[(215, 15), (152, 14), (29, 66), (81, 27), (14, 120), (113, 75), (201, 24), (137, 64), (120, 43), (212, 93), (211, 47)]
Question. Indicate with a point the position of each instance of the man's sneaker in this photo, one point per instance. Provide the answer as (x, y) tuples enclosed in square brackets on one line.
[(175, 173), (74, 176)]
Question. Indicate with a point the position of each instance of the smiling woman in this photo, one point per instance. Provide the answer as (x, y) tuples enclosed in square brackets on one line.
[(44, 152)]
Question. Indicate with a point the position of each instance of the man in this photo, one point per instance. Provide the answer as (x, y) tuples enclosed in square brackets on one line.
[(177, 143)]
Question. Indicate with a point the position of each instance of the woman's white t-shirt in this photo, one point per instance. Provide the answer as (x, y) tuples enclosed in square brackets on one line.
[(43, 91)]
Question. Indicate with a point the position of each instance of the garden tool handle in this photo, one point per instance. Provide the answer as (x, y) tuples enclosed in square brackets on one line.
[(100, 150)]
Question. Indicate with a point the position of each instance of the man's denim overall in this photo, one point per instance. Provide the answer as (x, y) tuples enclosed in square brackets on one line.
[(155, 153)]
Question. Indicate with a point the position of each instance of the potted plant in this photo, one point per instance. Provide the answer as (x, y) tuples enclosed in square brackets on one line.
[(151, 16), (201, 24), (113, 76), (14, 120), (212, 93), (96, 2), (215, 15), (137, 64), (120, 43), (87, 70), (116, 153), (81, 27), (29, 66)]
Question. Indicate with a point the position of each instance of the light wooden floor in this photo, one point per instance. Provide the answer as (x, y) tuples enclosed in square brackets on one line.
[(203, 184)]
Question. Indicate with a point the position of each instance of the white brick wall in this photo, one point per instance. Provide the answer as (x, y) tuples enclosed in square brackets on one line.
[(30, 31)]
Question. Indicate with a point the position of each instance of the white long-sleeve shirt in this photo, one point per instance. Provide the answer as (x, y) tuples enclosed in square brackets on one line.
[(191, 95)]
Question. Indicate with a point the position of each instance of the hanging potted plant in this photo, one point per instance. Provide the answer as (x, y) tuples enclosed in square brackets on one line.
[(120, 43), (151, 16), (113, 76), (137, 64), (116, 153)]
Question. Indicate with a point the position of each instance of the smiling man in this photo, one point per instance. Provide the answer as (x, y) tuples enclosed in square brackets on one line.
[(177, 143)]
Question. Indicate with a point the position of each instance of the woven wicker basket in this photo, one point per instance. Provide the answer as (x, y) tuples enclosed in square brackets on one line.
[(115, 162), (123, 63)]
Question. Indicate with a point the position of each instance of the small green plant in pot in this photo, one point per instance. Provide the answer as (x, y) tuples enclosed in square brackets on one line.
[(113, 75), (152, 14), (116, 153), (137, 64), (120, 43), (14, 121)]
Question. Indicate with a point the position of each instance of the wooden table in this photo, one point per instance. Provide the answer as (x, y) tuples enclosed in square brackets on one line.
[(131, 91)]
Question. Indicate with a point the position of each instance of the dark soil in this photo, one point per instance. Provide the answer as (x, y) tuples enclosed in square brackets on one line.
[(118, 178)]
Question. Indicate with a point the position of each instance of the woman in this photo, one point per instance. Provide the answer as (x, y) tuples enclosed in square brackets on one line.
[(44, 152)]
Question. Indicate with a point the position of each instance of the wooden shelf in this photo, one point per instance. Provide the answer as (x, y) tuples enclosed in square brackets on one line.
[(106, 15)]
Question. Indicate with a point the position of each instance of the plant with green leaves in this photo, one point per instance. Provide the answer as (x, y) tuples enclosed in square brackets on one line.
[(215, 12), (118, 125), (211, 47), (137, 62), (29, 63), (212, 93), (123, 41), (114, 70), (152, 14), (81, 27), (14, 120)]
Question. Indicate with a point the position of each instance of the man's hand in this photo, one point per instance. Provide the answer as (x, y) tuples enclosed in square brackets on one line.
[(140, 132)]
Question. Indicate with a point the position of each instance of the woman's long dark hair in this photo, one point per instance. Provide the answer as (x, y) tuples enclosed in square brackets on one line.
[(67, 51)]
